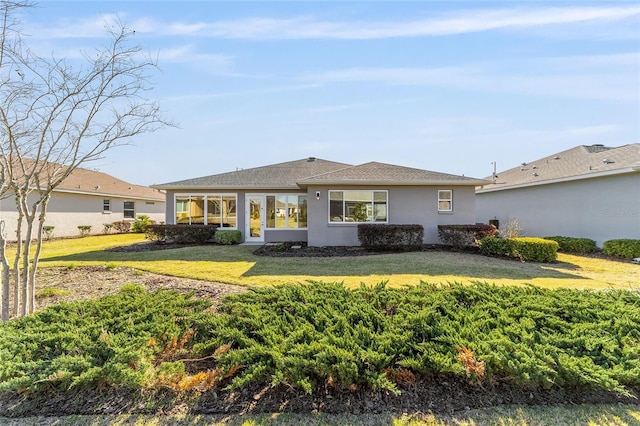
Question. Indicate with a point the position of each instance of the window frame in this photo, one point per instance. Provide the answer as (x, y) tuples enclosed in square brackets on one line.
[(205, 199), (106, 206), (132, 210), (287, 206), (372, 203), (445, 200)]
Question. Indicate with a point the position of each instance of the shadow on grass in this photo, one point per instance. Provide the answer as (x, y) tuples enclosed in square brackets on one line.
[(413, 263)]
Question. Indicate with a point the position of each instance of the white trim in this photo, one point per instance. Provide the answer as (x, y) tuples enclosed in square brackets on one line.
[(206, 207), (343, 222), (450, 200), (247, 217)]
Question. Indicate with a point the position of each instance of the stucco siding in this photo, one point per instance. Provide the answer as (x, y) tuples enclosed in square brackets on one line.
[(406, 205), (67, 211), (603, 208)]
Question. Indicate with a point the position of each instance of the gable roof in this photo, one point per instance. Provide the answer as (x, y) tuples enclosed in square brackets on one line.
[(314, 171), (581, 162), (375, 173), (93, 182), (275, 176)]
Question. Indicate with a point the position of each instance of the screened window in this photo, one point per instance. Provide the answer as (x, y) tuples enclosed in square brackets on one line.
[(286, 211), (445, 200), (129, 210), (214, 209), (106, 206), (358, 206)]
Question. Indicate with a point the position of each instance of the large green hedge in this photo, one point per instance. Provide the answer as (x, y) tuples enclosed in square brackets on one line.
[(526, 249), (311, 336), (626, 248)]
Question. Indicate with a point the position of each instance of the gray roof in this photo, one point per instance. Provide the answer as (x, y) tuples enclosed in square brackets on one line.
[(275, 176), (375, 173), (581, 162), (314, 171)]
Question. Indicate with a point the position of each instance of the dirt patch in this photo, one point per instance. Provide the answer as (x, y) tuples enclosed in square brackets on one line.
[(90, 282)]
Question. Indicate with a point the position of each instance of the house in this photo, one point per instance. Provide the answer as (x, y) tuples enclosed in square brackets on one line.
[(587, 191), (89, 197), (321, 201)]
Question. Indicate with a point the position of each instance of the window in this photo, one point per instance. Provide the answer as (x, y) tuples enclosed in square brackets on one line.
[(357, 206), (213, 209), (445, 200), (286, 211), (106, 206), (129, 210)]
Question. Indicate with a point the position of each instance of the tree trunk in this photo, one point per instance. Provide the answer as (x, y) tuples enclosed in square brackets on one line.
[(16, 261), (6, 276), (36, 256)]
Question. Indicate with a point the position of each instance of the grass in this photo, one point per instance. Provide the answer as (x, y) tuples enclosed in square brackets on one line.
[(238, 265), (602, 415)]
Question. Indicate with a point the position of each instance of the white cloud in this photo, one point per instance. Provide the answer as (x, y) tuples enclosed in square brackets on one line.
[(307, 27), (460, 22)]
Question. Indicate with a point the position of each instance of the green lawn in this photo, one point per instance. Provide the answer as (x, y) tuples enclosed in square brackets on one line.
[(601, 415), (238, 265)]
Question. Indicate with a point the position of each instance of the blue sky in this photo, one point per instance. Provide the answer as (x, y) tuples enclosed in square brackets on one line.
[(445, 86)]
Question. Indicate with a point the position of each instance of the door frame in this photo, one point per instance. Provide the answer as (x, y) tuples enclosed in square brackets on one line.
[(247, 227)]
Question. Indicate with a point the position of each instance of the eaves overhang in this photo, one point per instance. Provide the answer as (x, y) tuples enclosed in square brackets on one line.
[(474, 182), (632, 169)]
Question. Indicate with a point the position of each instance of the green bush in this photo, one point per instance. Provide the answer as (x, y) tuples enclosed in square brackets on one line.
[(626, 248), (465, 235), (122, 226), (382, 237), (228, 237), (84, 230), (141, 223), (95, 343), (181, 234), (574, 245), (523, 248), (47, 230), (310, 336)]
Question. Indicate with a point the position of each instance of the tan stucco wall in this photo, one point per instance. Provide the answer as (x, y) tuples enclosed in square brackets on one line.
[(66, 211), (602, 208)]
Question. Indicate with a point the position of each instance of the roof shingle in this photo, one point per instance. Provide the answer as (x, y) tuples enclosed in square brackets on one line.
[(581, 162)]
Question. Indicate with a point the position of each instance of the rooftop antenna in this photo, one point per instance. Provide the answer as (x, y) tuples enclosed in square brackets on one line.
[(494, 175)]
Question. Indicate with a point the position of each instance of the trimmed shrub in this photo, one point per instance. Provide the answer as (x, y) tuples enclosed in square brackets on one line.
[(122, 227), (84, 230), (181, 234), (228, 237), (525, 249), (381, 237), (47, 230), (626, 248), (574, 245), (141, 223), (107, 227), (465, 235)]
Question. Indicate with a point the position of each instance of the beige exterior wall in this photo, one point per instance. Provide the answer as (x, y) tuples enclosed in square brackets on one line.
[(601, 208), (66, 211), (406, 205)]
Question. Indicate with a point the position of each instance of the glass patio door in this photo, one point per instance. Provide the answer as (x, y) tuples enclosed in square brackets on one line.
[(255, 218)]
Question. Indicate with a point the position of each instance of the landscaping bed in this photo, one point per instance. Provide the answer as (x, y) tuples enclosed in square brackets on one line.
[(323, 348)]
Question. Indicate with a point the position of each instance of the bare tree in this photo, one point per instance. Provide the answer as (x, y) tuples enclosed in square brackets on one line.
[(55, 117)]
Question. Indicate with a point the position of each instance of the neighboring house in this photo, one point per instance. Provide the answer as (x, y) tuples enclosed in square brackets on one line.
[(587, 191), (321, 201), (92, 198)]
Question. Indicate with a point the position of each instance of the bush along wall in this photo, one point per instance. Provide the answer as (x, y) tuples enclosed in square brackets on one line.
[(465, 235), (626, 248), (574, 245), (228, 237), (381, 237), (181, 234), (525, 249)]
